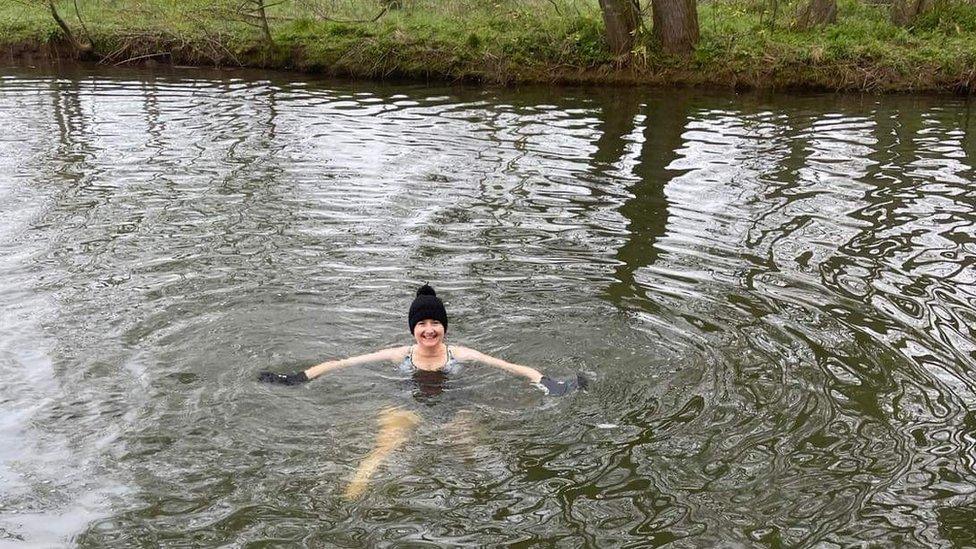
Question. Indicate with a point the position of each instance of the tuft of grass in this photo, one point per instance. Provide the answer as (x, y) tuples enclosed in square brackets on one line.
[(948, 17)]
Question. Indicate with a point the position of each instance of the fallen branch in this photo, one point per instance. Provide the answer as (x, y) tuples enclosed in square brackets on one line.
[(138, 57)]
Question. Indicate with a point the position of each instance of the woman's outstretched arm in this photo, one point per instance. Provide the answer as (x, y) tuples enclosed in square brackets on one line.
[(464, 353), (393, 354)]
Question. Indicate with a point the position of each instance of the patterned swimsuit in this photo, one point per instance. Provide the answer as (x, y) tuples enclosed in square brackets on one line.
[(451, 367)]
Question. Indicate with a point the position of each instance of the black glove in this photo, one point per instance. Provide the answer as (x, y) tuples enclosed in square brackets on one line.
[(560, 388), (284, 379)]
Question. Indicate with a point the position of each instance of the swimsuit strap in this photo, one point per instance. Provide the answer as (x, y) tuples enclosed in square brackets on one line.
[(450, 358)]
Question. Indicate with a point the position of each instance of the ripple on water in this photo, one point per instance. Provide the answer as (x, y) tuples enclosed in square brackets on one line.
[(774, 295)]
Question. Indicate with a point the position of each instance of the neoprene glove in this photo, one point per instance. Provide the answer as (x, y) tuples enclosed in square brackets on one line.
[(560, 388), (284, 379)]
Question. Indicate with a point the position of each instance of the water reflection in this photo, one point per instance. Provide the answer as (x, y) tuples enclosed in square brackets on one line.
[(646, 211), (775, 295)]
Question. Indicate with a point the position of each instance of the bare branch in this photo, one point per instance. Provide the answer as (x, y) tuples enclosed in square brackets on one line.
[(373, 20), (83, 26), (138, 57)]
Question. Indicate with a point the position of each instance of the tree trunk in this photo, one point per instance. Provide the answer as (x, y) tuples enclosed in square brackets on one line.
[(676, 25), (904, 12), (621, 18), (816, 13), (83, 49), (265, 28)]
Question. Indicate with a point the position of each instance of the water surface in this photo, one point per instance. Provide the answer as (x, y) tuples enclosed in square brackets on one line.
[(774, 294)]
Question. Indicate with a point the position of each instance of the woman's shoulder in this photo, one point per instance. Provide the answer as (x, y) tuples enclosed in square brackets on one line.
[(396, 354), (461, 352)]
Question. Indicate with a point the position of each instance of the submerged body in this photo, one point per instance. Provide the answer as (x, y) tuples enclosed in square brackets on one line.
[(429, 355)]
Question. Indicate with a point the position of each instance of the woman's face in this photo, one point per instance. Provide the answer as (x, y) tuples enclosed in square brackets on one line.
[(428, 333)]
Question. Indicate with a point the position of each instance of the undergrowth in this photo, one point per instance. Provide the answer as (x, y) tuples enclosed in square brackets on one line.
[(743, 42)]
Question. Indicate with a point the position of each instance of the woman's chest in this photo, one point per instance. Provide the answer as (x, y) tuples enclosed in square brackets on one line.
[(432, 362)]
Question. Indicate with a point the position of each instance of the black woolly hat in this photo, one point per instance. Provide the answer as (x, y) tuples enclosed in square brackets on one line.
[(427, 305)]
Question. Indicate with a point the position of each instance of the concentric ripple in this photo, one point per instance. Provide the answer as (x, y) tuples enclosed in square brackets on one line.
[(775, 295)]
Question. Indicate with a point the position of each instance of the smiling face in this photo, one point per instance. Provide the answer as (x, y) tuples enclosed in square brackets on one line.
[(428, 333)]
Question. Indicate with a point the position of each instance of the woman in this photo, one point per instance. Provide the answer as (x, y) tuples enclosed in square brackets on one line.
[(429, 353)]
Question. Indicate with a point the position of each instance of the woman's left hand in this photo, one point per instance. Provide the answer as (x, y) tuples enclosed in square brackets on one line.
[(553, 387)]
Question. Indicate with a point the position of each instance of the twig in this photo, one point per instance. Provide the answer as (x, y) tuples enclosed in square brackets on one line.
[(131, 59), (373, 20), (111, 57)]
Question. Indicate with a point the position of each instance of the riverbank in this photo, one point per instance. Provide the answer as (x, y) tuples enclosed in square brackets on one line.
[(742, 44)]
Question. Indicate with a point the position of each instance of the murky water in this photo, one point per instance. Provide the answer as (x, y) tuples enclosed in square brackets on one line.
[(776, 297)]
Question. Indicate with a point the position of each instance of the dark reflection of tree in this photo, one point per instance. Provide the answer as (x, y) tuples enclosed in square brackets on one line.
[(646, 212), (72, 144), (956, 519), (154, 125), (59, 257), (866, 252), (618, 111), (968, 127), (247, 186), (255, 166), (894, 219), (74, 200), (233, 245), (891, 215)]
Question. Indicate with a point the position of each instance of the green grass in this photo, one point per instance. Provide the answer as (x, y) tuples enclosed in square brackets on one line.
[(504, 41)]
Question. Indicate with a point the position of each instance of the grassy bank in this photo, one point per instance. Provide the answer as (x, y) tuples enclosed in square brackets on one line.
[(742, 43)]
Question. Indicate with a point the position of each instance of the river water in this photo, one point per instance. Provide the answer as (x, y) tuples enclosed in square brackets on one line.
[(774, 295)]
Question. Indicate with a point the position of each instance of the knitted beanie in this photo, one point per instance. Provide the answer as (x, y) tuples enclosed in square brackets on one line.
[(427, 305)]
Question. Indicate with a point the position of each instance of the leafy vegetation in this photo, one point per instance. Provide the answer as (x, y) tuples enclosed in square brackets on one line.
[(743, 42)]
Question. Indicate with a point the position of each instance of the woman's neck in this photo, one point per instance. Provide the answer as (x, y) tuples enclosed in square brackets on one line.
[(431, 351)]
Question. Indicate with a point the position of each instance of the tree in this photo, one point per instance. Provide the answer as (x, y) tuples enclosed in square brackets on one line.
[(263, 17), (815, 13), (251, 12), (83, 46), (675, 25), (904, 12), (621, 18)]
